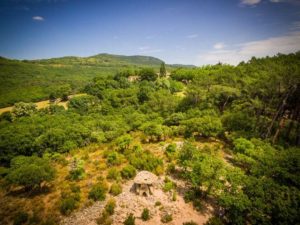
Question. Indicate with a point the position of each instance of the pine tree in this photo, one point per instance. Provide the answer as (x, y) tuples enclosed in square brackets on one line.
[(162, 70)]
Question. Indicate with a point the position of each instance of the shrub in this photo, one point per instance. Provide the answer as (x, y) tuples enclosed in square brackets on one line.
[(171, 168), (145, 214), (158, 203), (113, 159), (128, 172), (115, 189), (145, 160), (198, 204), (98, 191), (241, 145), (130, 220), (166, 218), (123, 142), (69, 200), (104, 219), (214, 221), (67, 205), (174, 196), (77, 171), (76, 174), (20, 218), (30, 172), (190, 223), (110, 206), (148, 74), (171, 149), (169, 185), (113, 174)]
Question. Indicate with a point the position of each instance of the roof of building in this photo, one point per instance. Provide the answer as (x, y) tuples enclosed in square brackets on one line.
[(145, 177)]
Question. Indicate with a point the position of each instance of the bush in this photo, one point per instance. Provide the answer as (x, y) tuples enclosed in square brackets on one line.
[(145, 214), (104, 219), (214, 221), (110, 206), (128, 172), (148, 74), (123, 142), (166, 218), (113, 159), (145, 160), (198, 204), (113, 174), (170, 151), (174, 196), (115, 189), (77, 171), (76, 174), (190, 223), (158, 203), (130, 220), (69, 200), (30, 172), (171, 148), (241, 145), (171, 168), (67, 205), (98, 191), (20, 218), (169, 185)]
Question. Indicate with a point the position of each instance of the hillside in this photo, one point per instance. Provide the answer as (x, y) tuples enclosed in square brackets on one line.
[(223, 142), (35, 80)]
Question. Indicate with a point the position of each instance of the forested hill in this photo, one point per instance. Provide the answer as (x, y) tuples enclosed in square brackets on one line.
[(34, 80), (231, 134), (104, 60)]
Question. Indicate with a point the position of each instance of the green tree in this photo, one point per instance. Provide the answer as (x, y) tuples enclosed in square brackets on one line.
[(23, 109), (162, 70), (98, 191), (30, 172), (148, 74)]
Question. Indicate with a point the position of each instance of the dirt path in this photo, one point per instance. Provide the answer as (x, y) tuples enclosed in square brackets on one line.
[(41, 104), (129, 202)]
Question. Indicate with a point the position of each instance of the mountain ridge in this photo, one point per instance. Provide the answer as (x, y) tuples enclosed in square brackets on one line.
[(101, 59)]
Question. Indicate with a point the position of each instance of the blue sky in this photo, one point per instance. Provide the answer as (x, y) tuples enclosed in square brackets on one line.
[(176, 31)]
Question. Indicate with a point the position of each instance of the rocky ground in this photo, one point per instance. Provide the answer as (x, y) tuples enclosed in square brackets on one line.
[(128, 202)]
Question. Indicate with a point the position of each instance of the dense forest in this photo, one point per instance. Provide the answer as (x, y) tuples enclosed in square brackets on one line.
[(253, 109)]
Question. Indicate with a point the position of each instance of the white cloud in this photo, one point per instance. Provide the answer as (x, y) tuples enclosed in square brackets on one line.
[(219, 45), (192, 36), (250, 2), (242, 52), (142, 48), (148, 49), (38, 18), (286, 1)]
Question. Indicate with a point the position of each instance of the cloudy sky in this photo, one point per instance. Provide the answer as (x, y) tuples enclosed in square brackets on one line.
[(177, 31)]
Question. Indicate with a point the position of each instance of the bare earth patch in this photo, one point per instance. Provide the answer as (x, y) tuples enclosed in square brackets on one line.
[(129, 202)]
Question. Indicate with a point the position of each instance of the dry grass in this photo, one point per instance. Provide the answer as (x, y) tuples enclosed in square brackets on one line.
[(47, 203)]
